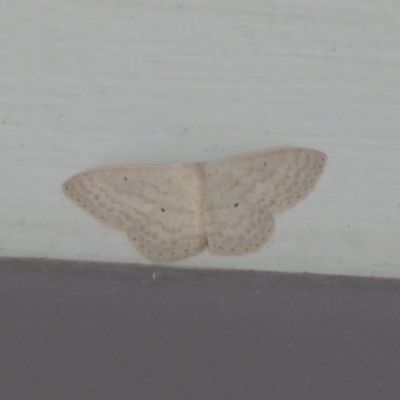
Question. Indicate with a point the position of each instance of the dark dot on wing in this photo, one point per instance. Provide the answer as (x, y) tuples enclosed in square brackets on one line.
[(173, 253), (149, 251), (269, 230), (220, 247), (236, 204), (92, 211), (265, 164), (101, 217), (141, 245), (163, 209), (78, 200), (256, 245), (246, 249), (84, 205), (134, 239), (298, 196), (186, 250), (125, 178), (160, 254), (306, 188)]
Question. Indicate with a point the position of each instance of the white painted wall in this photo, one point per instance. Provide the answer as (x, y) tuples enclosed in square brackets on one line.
[(86, 83)]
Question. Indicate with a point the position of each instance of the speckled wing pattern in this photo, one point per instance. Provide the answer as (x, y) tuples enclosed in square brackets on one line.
[(160, 207), (172, 212), (242, 193)]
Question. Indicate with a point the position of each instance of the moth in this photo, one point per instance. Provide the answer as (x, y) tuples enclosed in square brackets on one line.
[(171, 212)]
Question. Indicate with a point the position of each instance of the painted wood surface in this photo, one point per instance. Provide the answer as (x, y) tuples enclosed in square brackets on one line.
[(84, 84)]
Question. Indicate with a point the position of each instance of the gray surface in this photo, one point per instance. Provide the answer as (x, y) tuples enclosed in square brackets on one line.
[(84, 331)]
